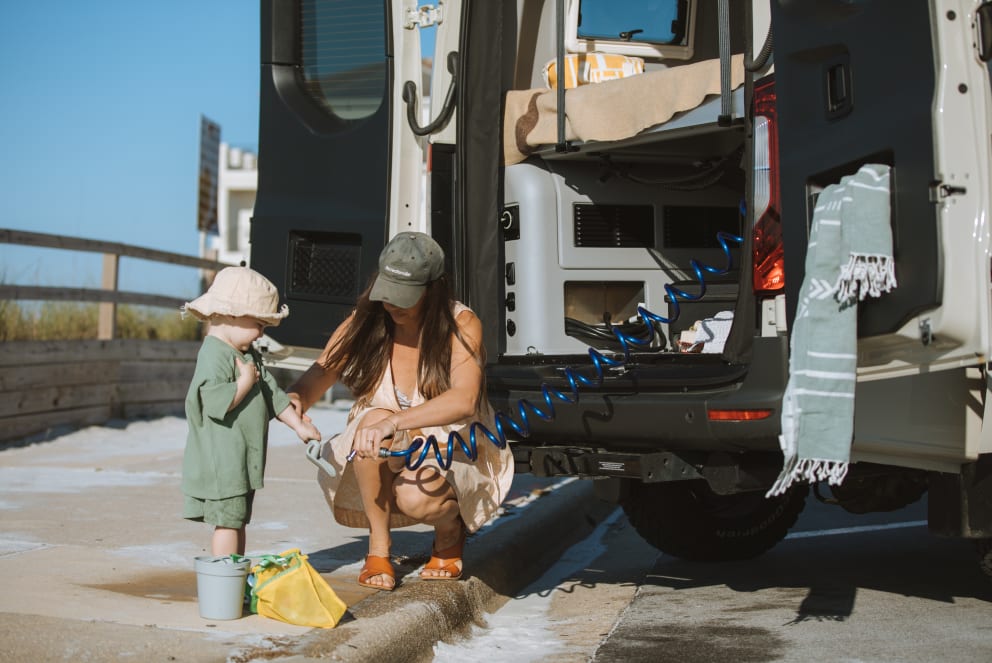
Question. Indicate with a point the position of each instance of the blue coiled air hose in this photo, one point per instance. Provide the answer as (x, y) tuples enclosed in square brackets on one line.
[(549, 394)]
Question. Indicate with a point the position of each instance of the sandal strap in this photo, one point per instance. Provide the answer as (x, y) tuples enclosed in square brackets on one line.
[(376, 566), (454, 551), (448, 558), (449, 565)]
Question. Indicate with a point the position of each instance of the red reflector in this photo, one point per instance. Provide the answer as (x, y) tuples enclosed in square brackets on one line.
[(768, 261), (769, 257), (738, 415)]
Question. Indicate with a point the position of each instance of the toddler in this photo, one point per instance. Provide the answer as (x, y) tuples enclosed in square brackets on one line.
[(229, 404)]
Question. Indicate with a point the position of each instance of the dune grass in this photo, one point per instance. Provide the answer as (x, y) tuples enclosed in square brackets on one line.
[(64, 321)]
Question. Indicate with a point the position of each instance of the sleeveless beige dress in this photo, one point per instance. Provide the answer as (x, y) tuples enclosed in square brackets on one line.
[(480, 486)]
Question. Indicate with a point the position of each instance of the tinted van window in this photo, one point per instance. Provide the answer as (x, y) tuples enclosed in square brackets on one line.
[(344, 55)]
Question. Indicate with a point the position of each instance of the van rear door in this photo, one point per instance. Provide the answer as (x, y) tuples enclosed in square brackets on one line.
[(896, 82), (330, 187)]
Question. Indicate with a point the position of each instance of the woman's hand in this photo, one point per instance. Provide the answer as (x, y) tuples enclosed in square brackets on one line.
[(297, 404), (369, 439)]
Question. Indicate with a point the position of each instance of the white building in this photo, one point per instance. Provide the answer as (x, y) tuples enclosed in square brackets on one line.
[(237, 182)]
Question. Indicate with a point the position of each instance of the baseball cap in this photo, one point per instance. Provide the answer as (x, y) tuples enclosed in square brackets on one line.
[(407, 264)]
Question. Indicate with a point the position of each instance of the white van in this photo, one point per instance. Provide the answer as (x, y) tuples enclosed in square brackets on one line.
[(637, 258)]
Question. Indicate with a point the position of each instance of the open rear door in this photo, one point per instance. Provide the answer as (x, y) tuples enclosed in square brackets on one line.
[(335, 180), (897, 82)]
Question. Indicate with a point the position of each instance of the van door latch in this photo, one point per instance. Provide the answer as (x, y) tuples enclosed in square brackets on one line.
[(939, 191)]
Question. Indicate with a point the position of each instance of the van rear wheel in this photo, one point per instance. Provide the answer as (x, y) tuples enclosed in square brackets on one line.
[(687, 519), (984, 549)]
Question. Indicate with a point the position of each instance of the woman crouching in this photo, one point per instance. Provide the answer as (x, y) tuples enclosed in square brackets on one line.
[(413, 358)]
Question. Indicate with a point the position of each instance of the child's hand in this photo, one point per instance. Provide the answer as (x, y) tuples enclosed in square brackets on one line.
[(307, 431), (247, 371)]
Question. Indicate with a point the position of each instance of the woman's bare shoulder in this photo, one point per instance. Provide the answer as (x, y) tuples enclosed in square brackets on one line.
[(469, 328), (466, 317)]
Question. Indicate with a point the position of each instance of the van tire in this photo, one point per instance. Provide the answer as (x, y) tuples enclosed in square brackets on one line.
[(688, 520), (984, 549)]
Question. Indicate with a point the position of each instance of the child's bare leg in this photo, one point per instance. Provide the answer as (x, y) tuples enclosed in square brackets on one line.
[(228, 541)]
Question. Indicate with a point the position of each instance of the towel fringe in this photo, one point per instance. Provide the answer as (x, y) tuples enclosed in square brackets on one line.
[(865, 274), (811, 470)]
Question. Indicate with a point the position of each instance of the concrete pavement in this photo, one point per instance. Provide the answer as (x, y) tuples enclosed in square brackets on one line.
[(99, 562)]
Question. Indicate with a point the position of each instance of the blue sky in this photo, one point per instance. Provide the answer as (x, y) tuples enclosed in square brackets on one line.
[(99, 127)]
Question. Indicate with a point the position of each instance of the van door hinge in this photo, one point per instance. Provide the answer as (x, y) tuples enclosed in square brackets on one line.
[(940, 191), (425, 16)]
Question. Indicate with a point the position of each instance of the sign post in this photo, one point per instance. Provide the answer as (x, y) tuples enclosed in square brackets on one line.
[(206, 217)]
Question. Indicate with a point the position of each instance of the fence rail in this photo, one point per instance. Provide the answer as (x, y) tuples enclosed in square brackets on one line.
[(45, 385), (47, 293), (108, 296)]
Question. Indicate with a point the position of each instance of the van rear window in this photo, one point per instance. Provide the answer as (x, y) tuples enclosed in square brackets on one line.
[(343, 55)]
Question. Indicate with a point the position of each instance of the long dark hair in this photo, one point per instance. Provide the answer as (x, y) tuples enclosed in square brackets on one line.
[(362, 355)]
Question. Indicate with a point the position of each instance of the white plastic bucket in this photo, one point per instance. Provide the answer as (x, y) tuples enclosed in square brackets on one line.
[(220, 586)]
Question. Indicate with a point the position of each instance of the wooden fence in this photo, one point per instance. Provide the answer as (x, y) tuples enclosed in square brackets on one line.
[(109, 296), (45, 385)]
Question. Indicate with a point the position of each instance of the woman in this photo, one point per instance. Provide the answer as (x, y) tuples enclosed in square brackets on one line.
[(414, 360)]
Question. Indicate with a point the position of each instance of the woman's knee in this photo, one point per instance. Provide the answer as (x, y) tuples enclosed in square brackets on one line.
[(423, 496), (412, 501)]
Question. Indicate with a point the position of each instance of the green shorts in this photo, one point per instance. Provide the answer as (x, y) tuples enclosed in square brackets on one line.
[(231, 512)]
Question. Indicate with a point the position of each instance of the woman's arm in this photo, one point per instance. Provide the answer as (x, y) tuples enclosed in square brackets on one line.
[(310, 386), (452, 406)]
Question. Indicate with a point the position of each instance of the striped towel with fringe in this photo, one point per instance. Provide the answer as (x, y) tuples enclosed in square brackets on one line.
[(849, 258)]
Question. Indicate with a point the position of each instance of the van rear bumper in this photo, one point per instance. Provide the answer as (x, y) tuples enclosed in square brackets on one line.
[(652, 409)]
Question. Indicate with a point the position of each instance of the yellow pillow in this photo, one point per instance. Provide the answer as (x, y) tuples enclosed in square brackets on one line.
[(583, 68)]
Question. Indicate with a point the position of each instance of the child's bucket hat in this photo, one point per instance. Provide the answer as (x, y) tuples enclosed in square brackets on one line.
[(239, 291), (409, 262)]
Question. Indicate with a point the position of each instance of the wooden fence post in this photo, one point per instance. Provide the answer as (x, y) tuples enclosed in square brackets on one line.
[(107, 329)]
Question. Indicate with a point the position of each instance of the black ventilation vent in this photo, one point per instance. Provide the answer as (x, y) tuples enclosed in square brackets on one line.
[(324, 266), (696, 227), (619, 226)]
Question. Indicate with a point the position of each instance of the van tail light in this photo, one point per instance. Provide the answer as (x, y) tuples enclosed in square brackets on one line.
[(768, 255), (738, 415)]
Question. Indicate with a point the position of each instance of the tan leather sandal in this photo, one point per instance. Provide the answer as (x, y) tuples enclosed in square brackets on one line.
[(376, 566), (449, 559)]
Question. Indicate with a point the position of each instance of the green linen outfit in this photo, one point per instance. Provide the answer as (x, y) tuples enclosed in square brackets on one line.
[(225, 451)]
